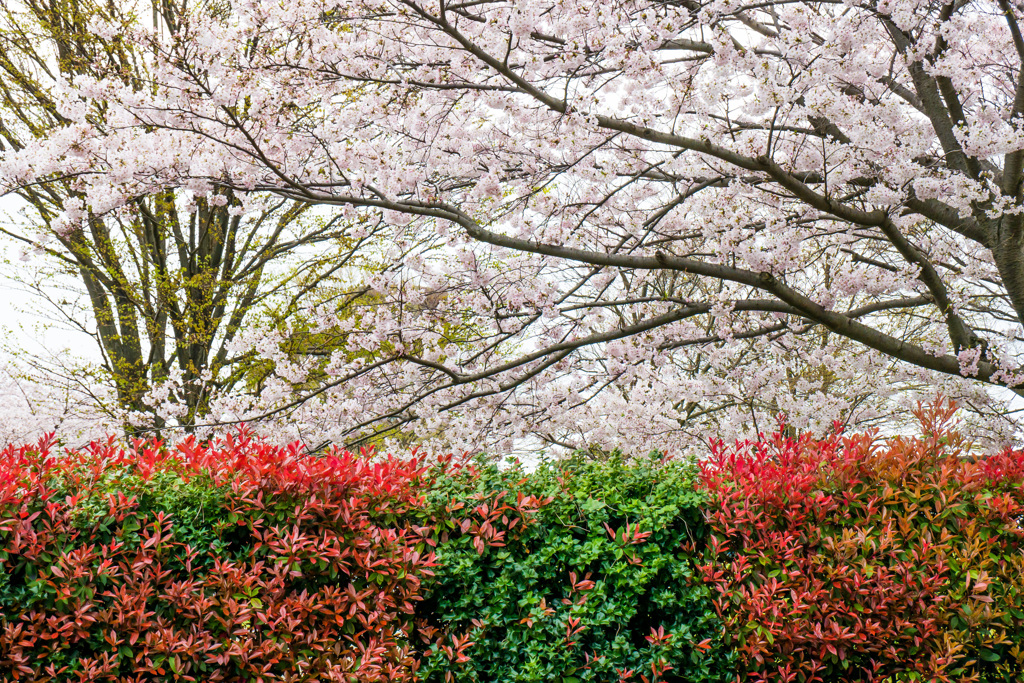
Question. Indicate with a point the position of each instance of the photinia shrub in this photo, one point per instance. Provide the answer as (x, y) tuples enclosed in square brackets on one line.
[(789, 559), (574, 572), (228, 561), (860, 559)]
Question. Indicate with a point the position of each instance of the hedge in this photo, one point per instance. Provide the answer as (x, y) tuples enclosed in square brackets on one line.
[(596, 586), (237, 561), (847, 558)]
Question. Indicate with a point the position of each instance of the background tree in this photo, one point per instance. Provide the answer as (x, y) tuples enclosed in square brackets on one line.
[(643, 209), (169, 277)]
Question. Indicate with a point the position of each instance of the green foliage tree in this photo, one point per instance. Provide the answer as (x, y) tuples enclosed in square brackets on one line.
[(169, 279)]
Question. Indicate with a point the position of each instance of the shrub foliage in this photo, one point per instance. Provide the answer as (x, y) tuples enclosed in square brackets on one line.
[(786, 559), (238, 561), (594, 586), (850, 559)]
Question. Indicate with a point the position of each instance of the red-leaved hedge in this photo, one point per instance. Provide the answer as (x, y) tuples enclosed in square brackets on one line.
[(850, 559), (225, 562)]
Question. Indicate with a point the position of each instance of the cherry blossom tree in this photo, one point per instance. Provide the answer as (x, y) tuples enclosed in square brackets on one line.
[(30, 410), (617, 220)]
